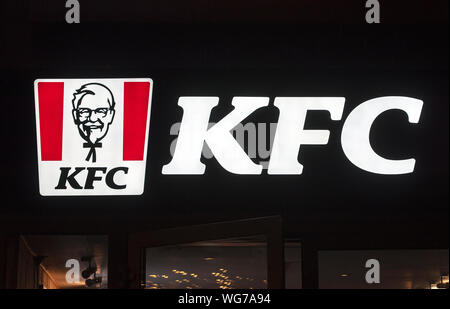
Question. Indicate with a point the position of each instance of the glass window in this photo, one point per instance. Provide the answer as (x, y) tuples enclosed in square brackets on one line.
[(62, 261), (383, 269), (221, 264)]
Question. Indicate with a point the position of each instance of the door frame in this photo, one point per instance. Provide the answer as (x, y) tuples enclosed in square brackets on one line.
[(270, 227)]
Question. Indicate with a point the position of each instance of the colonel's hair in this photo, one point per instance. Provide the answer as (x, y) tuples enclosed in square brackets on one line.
[(93, 89)]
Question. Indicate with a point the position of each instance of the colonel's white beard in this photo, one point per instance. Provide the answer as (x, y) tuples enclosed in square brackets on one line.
[(95, 134)]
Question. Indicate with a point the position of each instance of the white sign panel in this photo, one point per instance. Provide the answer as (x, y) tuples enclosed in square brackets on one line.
[(92, 135)]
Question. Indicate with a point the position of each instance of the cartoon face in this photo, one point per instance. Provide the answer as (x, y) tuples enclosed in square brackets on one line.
[(93, 111)]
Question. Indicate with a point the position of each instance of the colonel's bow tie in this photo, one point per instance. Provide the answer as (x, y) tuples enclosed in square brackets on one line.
[(91, 153)]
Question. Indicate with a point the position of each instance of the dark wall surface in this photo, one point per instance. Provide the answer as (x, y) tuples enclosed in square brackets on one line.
[(332, 200)]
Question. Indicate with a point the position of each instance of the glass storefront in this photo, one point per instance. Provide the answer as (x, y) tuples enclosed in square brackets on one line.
[(49, 261), (81, 262)]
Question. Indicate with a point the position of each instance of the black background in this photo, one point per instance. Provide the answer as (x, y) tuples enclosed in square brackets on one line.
[(257, 51)]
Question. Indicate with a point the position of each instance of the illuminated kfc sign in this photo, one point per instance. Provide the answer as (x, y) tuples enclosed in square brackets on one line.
[(93, 134), (290, 135)]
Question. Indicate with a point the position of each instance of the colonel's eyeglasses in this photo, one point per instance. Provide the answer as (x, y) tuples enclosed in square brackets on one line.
[(87, 112)]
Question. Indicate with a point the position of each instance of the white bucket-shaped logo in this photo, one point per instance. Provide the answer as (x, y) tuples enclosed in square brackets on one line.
[(92, 135)]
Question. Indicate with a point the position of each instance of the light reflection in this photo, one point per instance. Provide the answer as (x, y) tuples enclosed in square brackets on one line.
[(222, 281), (223, 265)]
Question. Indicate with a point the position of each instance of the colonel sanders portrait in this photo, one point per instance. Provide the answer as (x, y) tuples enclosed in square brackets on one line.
[(93, 113)]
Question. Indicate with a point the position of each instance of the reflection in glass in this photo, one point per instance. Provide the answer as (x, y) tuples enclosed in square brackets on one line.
[(222, 264), (398, 269), (44, 261)]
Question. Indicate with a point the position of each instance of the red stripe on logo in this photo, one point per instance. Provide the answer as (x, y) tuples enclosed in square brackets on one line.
[(51, 99), (135, 119)]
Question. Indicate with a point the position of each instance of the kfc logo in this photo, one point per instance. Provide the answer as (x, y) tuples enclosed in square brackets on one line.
[(290, 136), (92, 135), (93, 113)]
